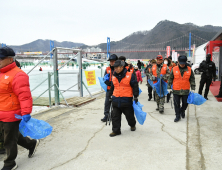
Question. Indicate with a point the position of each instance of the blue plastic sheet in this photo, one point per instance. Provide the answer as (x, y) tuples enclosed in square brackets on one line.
[(102, 84), (151, 83), (140, 114), (164, 91), (140, 91), (106, 77), (36, 129), (195, 98)]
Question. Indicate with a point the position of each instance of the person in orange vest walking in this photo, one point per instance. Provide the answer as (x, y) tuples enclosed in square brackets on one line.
[(182, 79), (15, 99), (110, 71), (158, 70), (168, 62), (124, 89), (148, 71)]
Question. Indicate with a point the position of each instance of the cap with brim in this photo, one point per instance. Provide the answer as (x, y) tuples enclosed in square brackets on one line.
[(182, 59), (6, 51), (119, 63), (159, 57)]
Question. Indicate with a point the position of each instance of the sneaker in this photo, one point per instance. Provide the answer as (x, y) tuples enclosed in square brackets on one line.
[(10, 167), (33, 149), (114, 134), (133, 128)]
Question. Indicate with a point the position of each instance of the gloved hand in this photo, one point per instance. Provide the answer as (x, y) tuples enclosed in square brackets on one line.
[(135, 99), (110, 99), (193, 90), (164, 77), (26, 118), (170, 90), (154, 78), (108, 83), (106, 77)]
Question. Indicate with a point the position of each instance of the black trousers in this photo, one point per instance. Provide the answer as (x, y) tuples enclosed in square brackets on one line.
[(208, 82), (12, 137), (168, 96), (178, 108), (150, 89), (116, 117), (107, 104)]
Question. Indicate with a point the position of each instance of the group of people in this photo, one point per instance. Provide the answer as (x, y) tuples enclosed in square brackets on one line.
[(123, 86), (122, 90)]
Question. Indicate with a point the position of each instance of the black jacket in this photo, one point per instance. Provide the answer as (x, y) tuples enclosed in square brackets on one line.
[(139, 64), (208, 69), (124, 101)]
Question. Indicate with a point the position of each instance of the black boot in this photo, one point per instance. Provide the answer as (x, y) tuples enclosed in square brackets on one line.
[(104, 119), (157, 107), (182, 114), (114, 134), (177, 119), (149, 99)]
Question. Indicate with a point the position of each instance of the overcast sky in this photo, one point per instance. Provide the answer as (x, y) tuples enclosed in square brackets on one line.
[(91, 21)]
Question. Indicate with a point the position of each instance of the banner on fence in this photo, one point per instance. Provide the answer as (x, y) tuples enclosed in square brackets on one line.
[(90, 77)]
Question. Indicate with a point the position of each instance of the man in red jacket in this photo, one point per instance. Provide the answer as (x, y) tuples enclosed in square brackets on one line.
[(15, 99)]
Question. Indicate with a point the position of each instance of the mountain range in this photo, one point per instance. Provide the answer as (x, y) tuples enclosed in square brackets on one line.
[(44, 45), (162, 35)]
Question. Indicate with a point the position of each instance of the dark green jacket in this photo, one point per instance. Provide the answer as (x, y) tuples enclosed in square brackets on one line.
[(192, 81)]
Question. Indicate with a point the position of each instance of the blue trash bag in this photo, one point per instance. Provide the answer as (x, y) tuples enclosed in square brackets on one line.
[(36, 129), (164, 91), (151, 83), (195, 98), (102, 84), (106, 77), (140, 114), (140, 91)]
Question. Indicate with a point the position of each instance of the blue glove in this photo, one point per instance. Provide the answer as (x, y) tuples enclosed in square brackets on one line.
[(107, 76), (26, 118)]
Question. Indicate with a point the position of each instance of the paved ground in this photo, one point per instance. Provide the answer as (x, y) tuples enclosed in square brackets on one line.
[(81, 141)]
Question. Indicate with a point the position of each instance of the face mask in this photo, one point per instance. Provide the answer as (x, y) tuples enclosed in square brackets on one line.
[(208, 59), (165, 62)]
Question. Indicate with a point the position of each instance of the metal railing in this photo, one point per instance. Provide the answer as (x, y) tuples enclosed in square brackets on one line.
[(55, 74)]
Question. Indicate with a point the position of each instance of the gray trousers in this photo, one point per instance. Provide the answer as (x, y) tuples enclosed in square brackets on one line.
[(107, 104)]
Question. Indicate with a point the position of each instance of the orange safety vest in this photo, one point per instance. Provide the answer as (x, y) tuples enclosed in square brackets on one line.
[(123, 89), (131, 70), (163, 71), (9, 101), (179, 82), (109, 71)]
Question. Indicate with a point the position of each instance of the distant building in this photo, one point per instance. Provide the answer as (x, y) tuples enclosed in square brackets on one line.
[(93, 49)]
